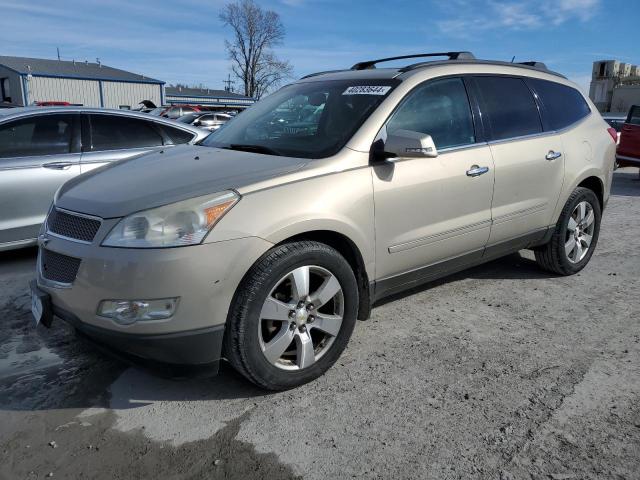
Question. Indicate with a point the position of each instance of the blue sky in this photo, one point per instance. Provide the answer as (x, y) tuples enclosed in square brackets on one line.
[(183, 41)]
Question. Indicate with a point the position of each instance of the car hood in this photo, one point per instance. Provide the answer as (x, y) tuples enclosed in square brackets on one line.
[(160, 178)]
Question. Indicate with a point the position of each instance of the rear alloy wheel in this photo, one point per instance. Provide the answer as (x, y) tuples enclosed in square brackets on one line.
[(579, 234), (292, 315), (575, 236)]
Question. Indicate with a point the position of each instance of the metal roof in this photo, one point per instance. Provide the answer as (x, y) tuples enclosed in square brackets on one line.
[(71, 69), (201, 92)]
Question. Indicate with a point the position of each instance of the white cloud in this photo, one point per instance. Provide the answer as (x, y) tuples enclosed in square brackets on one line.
[(514, 15), (565, 10), (293, 3)]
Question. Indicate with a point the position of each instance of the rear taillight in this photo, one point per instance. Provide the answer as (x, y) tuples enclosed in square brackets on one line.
[(613, 133)]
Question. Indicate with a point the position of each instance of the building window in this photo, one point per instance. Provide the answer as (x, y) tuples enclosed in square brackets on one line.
[(5, 91)]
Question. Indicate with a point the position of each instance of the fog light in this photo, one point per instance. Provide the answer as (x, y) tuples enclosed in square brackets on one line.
[(127, 312)]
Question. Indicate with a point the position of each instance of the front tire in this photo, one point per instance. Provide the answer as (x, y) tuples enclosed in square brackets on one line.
[(292, 315), (575, 236)]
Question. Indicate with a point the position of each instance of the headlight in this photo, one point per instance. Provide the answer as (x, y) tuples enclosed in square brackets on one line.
[(175, 225)]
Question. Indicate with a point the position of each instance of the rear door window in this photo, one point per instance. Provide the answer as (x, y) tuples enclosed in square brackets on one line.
[(117, 132), (634, 115), (508, 106), (36, 136), (563, 104), (438, 108)]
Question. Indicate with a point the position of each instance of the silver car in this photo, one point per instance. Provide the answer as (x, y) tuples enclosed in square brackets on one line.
[(206, 120), (41, 148), (265, 243)]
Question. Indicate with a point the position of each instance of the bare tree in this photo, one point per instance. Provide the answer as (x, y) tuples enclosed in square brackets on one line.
[(256, 32)]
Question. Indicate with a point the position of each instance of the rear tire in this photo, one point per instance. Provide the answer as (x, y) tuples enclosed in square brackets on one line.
[(575, 235), (292, 315)]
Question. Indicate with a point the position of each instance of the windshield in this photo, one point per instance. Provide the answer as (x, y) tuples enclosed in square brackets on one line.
[(308, 120)]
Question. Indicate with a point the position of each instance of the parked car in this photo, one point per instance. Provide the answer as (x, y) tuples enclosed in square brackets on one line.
[(207, 120), (43, 147), (265, 249), (628, 154), (52, 104), (616, 122), (178, 111)]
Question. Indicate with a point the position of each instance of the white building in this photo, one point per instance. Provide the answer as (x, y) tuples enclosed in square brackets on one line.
[(614, 85), (27, 81)]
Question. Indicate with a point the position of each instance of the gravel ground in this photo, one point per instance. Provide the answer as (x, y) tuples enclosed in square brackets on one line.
[(500, 372)]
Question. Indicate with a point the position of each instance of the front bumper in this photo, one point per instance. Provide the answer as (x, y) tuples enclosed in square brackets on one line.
[(204, 277), (195, 347)]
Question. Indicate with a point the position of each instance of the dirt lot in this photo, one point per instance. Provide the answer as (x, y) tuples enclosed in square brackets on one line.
[(502, 372)]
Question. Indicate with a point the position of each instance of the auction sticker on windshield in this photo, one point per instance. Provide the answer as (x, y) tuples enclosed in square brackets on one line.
[(367, 90)]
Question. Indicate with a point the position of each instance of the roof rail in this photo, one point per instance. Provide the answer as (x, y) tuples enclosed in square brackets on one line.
[(539, 65), (452, 56)]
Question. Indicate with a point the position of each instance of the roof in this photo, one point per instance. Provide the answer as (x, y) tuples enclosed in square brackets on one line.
[(404, 72), (71, 69), (202, 92)]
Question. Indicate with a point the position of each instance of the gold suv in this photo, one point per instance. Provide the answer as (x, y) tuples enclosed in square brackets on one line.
[(265, 243)]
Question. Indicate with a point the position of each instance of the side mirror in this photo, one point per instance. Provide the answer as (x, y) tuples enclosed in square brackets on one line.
[(409, 144)]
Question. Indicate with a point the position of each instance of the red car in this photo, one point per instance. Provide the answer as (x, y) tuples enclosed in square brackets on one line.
[(177, 111), (49, 103), (628, 153)]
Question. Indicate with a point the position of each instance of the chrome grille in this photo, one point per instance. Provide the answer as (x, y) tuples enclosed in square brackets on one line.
[(57, 267), (72, 226)]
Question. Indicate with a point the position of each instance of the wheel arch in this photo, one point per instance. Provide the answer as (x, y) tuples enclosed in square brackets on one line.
[(596, 185), (352, 254), (592, 179)]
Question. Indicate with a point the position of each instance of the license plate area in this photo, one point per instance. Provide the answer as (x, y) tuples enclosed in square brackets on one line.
[(41, 307)]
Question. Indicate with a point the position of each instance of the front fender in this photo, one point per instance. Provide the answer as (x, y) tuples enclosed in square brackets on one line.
[(341, 202)]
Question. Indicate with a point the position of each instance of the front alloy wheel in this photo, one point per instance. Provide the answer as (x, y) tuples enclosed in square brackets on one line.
[(301, 317), (292, 316)]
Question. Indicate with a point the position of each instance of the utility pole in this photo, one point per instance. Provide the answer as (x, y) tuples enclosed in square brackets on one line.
[(58, 49), (227, 83)]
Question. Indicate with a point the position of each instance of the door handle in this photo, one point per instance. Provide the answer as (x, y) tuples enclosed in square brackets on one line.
[(476, 171), (58, 165), (553, 155)]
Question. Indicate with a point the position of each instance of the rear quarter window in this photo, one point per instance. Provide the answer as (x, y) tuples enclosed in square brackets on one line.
[(177, 135), (563, 105)]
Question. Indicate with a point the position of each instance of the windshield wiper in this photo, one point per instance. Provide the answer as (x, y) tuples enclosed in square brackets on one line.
[(252, 148)]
